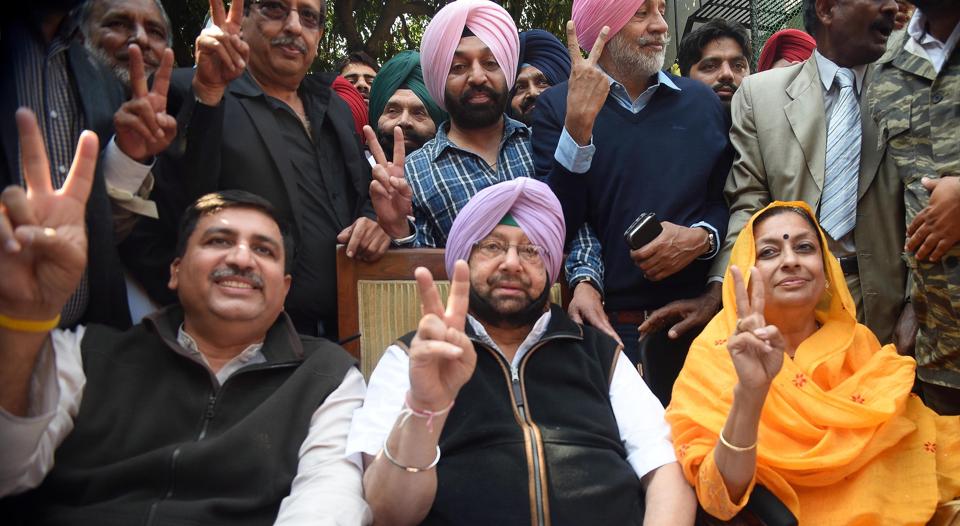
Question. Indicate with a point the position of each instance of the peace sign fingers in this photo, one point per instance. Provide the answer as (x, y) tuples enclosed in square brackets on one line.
[(750, 304), (598, 46), (573, 44), (36, 168), (459, 300), (138, 77), (217, 13), (430, 302)]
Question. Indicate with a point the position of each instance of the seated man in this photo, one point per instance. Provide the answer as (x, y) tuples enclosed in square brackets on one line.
[(210, 411), (551, 421)]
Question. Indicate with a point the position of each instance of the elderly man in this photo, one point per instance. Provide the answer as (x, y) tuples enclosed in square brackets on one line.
[(252, 119), (110, 26), (211, 411), (400, 99), (614, 142), (469, 57), (526, 416), (359, 69), (803, 133), (914, 99), (544, 62), (718, 54)]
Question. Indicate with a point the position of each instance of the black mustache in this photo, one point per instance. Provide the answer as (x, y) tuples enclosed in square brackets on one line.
[(229, 272)]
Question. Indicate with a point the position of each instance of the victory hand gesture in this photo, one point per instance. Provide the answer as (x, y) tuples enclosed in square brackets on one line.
[(588, 86), (143, 126), (221, 55), (42, 231), (391, 195), (755, 347), (442, 357)]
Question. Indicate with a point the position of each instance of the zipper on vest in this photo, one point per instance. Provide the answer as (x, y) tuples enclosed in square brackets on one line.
[(169, 493), (208, 414)]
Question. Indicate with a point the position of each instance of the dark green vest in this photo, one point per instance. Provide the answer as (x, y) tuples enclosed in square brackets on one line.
[(156, 442), (544, 445)]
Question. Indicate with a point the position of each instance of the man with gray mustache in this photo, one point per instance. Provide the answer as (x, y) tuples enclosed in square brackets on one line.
[(622, 138), (251, 118)]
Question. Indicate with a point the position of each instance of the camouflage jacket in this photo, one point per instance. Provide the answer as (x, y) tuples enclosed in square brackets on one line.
[(917, 112)]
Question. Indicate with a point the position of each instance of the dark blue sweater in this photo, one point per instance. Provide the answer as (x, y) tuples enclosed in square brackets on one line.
[(672, 158)]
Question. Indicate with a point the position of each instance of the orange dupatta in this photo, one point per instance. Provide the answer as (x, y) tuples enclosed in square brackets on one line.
[(841, 439)]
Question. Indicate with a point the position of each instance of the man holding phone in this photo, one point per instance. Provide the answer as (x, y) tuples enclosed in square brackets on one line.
[(615, 142)]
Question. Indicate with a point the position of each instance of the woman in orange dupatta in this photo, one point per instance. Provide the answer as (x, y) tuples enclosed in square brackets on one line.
[(784, 388)]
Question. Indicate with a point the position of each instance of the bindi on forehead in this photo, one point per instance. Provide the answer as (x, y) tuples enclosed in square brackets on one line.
[(786, 237)]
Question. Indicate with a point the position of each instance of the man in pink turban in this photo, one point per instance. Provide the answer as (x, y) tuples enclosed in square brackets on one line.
[(623, 138), (499, 409), (469, 58)]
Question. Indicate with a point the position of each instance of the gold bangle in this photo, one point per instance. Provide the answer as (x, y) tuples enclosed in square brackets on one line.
[(15, 324), (733, 447)]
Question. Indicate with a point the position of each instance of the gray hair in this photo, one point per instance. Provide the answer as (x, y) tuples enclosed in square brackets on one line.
[(85, 18)]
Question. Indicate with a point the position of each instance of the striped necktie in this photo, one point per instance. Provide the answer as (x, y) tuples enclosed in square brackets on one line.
[(838, 208)]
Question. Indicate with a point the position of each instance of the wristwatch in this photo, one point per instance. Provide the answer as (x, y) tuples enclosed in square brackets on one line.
[(711, 240), (590, 281)]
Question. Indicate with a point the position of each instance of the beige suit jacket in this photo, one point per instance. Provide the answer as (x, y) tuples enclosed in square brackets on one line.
[(780, 137)]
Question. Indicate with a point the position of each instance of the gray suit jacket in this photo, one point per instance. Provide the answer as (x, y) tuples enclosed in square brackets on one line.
[(780, 137)]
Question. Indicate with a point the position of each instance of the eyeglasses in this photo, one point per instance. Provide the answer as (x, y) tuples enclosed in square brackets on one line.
[(278, 11), (491, 249)]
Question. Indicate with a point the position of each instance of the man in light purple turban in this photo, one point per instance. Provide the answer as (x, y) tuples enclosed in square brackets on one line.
[(537, 419)]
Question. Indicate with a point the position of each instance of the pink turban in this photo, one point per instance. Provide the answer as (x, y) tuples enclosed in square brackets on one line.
[(487, 20), (589, 17), (791, 44), (533, 206)]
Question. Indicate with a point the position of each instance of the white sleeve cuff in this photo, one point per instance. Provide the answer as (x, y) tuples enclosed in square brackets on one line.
[(572, 156), (122, 172)]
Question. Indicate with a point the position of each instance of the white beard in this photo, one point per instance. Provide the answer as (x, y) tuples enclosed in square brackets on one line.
[(632, 61)]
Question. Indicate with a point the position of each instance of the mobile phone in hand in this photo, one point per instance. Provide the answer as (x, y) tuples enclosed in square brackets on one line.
[(643, 230)]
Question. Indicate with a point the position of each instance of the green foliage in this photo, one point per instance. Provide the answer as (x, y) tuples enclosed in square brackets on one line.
[(382, 28)]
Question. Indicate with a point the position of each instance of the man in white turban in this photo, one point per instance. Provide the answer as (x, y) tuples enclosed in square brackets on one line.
[(500, 409)]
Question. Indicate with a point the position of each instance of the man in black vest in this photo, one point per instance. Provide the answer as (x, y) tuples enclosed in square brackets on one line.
[(513, 414), (210, 411)]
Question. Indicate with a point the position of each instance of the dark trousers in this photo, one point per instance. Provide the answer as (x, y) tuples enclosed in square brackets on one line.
[(657, 357), (944, 400)]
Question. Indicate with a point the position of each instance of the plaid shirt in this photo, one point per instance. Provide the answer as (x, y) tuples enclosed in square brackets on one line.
[(444, 177)]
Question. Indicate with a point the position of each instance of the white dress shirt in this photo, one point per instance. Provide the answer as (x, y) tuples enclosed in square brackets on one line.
[(924, 45), (326, 490), (643, 431)]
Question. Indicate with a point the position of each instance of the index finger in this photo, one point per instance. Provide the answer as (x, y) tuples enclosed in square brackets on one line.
[(399, 147), (161, 81), (217, 13), (235, 16), (138, 79), (429, 295), (573, 45), (459, 299), (598, 45), (740, 291), (35, 167), (80, 179), (374, 145)]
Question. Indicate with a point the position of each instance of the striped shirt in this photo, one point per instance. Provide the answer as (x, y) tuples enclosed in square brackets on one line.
[(44, 85), (444, 177)]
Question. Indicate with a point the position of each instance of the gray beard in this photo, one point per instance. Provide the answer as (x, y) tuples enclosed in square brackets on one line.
[(631, 63), (119, 71)]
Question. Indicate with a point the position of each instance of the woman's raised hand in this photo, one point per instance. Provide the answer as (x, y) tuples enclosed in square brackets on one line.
[(755, 347)]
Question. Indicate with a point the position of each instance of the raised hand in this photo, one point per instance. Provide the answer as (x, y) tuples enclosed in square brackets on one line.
[(221, 56), (588, 86), (143, 127), (756, 348), (442, 357), (42, 231), (390, 194)]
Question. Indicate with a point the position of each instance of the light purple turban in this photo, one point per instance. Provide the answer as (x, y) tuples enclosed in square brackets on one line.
[(487, 20), (589, 17), (533, 206)]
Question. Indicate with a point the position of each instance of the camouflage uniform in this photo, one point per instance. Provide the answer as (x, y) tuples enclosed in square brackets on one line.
[(918, 114)]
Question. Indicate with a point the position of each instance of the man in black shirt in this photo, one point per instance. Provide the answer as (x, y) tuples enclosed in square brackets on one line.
[(251, 118)]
